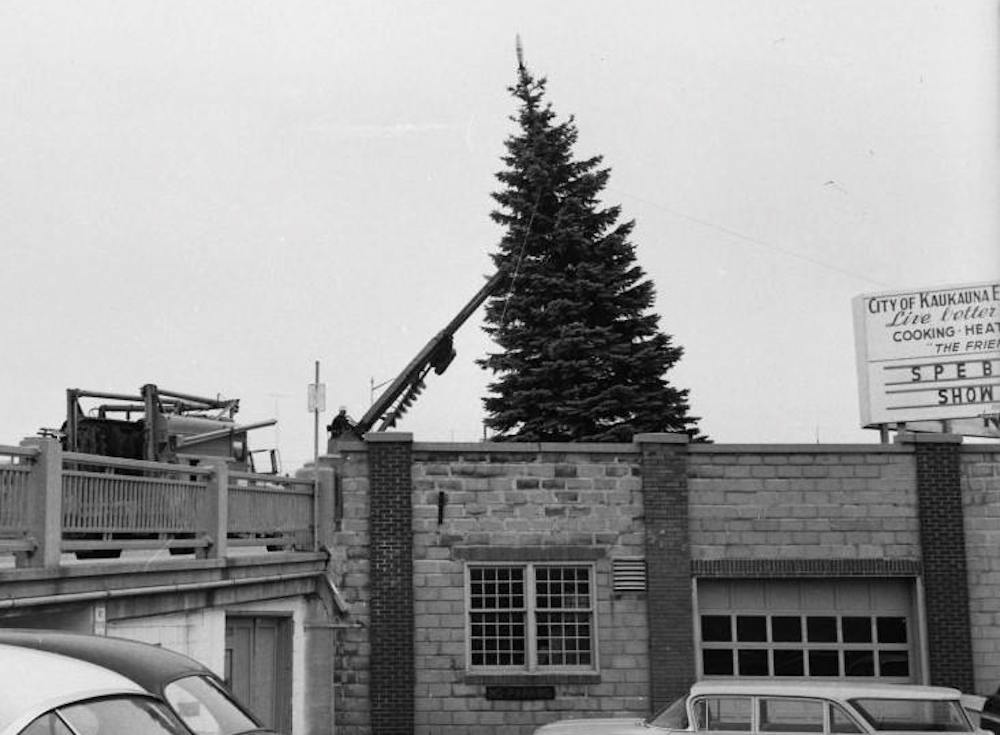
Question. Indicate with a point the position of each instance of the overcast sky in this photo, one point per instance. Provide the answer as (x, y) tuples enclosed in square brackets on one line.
[(211, 196)]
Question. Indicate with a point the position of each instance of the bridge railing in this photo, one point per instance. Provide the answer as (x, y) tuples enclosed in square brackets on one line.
[(275, 511), (111, 504), (53, 502), (15, 476)]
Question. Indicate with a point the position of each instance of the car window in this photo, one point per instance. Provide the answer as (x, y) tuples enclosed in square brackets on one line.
[(120, 716), (673, 716), (724, 713), (47, 724), (108, 716), (989, 721), (841, 722), (207, 708), (942, 715), (791, 715)]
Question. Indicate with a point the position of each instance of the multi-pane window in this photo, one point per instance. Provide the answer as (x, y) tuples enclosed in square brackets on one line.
[(497, 616), (531, 616), (841, 646)]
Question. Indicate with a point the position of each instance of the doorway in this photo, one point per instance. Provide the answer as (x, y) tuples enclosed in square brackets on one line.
[(258, 666)]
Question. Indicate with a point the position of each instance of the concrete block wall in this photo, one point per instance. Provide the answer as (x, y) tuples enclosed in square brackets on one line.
[(803, 502), (520, 497), (200, 634), (980, 478), (523, 498), (350, 563), (763, 510)]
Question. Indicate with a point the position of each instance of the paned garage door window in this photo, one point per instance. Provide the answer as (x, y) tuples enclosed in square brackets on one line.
[(531, 617), (828, 646)]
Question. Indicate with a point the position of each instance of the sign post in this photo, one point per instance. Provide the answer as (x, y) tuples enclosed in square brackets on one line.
[(930, 358), (317, 404)]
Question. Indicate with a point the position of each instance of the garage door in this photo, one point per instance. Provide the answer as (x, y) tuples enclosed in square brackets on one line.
[(847, 629)]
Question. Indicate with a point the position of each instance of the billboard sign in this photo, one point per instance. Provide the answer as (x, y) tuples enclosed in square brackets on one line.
[(929, 355)]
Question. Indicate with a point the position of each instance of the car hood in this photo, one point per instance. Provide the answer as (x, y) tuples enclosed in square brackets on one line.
[(609, 726)]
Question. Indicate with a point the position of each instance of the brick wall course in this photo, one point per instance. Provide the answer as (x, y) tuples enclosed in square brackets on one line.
[(942, 535), (666, 497)]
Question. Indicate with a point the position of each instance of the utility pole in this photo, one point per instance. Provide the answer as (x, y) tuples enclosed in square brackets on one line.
[(317, 403), (319, 392)]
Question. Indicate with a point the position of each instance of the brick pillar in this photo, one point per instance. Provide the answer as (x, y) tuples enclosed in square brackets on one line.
[(393, 676), (664, 469), (942, 545)]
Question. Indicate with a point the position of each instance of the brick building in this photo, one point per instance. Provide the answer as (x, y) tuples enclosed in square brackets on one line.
[(514, 584)]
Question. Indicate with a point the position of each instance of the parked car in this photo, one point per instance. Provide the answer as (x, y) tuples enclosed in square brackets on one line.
[(193, 692), (44, 693), (983, 711), (826, 707)]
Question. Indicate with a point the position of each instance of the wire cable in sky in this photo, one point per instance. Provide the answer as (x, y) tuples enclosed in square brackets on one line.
[(752, 240), (520, 255)]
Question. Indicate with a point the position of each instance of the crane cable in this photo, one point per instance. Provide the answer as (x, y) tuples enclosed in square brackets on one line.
[(520, 257)]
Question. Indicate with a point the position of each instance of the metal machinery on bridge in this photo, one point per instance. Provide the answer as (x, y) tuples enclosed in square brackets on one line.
[(437, 354), (169, 427), (154, 426)]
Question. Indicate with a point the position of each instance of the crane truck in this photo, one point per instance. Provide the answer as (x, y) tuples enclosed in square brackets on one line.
[(397, 398), (154, 425)]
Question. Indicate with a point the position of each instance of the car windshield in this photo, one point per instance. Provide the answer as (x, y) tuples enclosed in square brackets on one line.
[(108, 716), (206, 707), (673, 716), (927, 715), (988, 721)]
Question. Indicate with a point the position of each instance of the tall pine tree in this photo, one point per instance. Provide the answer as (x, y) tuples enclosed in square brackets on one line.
[(582, 357)]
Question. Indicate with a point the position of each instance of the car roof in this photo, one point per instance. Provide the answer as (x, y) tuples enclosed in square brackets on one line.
[(32, 682), (826, 689), (149, 666)]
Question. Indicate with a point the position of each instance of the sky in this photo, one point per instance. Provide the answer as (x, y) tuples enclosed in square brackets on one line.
[(213, 196)]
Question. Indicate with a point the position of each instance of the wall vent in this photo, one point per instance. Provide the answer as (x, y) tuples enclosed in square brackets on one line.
[(628, 574)]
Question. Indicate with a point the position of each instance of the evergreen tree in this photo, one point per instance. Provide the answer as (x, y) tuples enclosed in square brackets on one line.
[(582, 357)]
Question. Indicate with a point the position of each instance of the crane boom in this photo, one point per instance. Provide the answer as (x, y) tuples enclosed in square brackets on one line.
[(437, 354)]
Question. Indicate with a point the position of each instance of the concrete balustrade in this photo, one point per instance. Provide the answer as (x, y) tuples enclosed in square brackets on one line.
[(54, 502)]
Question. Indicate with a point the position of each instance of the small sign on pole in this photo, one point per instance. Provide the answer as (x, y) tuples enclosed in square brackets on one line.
[(317, 397), (317, 404)]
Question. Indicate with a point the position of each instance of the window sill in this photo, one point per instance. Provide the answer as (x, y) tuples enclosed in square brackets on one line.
[(526, 679)]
